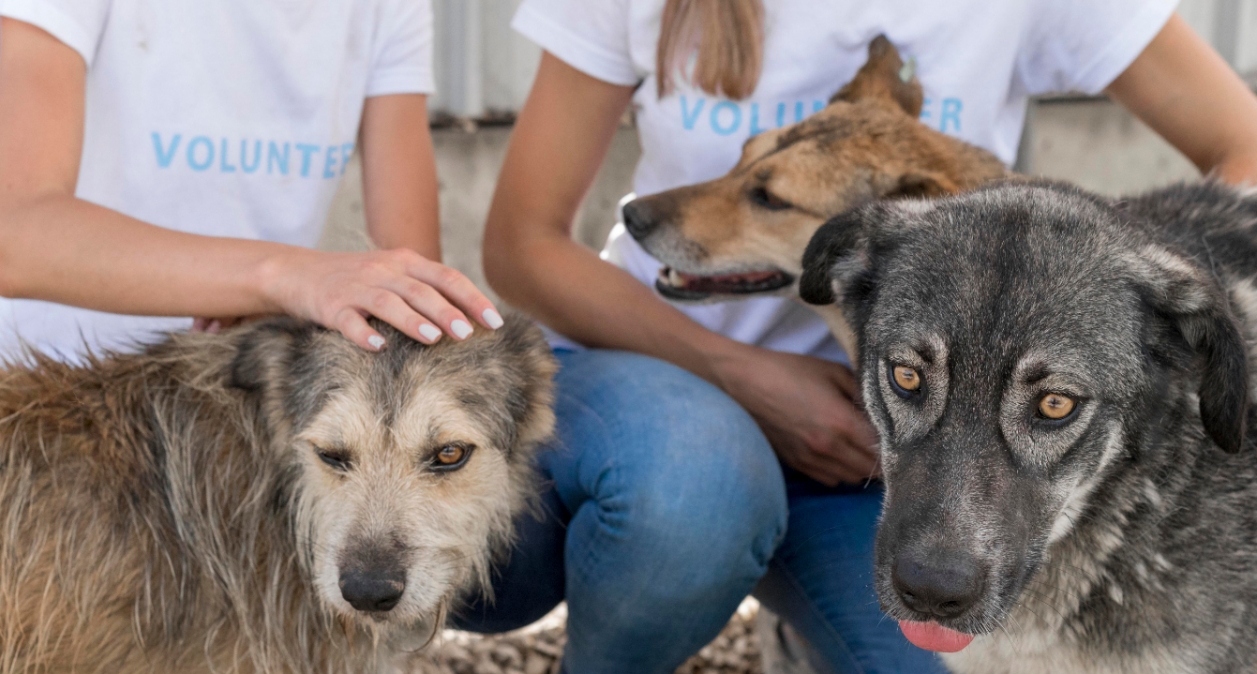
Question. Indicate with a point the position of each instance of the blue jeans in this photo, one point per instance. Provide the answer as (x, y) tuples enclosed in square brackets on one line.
[(666, 506)]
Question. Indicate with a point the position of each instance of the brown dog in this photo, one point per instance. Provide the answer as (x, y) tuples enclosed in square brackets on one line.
[(745, 233), (272, 500)]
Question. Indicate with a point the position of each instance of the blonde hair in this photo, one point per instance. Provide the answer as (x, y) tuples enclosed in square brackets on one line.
[(726, 35)]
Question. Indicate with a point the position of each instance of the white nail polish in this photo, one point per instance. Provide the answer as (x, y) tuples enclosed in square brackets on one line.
[(429, 332), (492, 318), (376, 342), (461, 328)]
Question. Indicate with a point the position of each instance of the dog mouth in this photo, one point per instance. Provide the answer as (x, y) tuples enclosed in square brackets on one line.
[(676, 285)]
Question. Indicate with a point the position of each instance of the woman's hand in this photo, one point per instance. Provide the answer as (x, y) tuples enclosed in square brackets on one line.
[(418, 296), (809, 410)]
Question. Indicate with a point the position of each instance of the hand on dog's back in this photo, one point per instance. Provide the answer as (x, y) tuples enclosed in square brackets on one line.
[(807, 408)]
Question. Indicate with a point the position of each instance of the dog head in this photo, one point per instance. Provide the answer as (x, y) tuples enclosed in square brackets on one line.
[(744, 233), (1018, 345), (404, 468)]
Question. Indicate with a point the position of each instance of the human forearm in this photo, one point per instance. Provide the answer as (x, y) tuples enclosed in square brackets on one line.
[(399, 175), (62, 249), (571, 290), (1237, 169), (802, 403), (65, 250), (1188, 94)]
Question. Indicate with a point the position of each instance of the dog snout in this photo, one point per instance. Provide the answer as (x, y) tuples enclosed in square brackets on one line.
[(374, 590), (638, 219), (942, 584)]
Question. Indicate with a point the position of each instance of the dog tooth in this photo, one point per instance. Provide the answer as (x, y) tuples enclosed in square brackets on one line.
[(675, 279)]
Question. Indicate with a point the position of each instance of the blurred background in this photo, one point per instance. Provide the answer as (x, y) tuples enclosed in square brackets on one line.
[(484, 71)]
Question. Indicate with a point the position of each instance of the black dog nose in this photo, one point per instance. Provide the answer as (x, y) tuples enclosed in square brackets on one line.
[(637, 219), (372, 590), (941, 584)]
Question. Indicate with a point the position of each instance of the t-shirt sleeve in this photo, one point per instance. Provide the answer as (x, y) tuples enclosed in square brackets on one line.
[(77, 23), (589, 35), (1083, 45), (402, 53)]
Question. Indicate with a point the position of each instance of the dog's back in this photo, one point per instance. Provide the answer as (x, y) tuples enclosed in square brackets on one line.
[(86, 506)]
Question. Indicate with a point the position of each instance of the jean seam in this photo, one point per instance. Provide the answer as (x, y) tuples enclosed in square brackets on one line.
[(816, 613)]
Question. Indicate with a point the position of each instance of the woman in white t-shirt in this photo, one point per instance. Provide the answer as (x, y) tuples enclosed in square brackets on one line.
[(177, 159), (668, 506)]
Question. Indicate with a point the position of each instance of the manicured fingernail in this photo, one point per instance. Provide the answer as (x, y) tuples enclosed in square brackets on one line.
[(376, 342), (492, 319), (461, 328), (429, 332)]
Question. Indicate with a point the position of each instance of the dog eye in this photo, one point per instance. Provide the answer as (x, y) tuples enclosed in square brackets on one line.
[(337, 459), (451, 457), (1056, 407), (762, 197), (904, 380)]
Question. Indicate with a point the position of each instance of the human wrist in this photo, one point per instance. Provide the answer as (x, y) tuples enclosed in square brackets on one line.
[(271, 275), (725, 362)]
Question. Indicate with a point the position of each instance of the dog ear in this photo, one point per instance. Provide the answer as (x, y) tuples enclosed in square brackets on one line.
[(835, 255), (885, 76), (926, 185), (263, 350), (531, 401), (1198, 307)]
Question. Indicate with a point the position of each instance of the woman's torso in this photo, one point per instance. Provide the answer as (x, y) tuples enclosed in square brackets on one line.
[(231, 118), (978, 62)]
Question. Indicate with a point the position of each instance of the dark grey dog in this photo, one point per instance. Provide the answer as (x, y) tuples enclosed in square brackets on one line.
[(1061, 384)]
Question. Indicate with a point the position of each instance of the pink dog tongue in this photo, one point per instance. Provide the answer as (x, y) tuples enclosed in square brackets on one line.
[(934, 637)]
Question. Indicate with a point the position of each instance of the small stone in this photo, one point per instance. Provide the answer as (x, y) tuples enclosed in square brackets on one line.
[(536, 663), (538, 649), (487, 667)]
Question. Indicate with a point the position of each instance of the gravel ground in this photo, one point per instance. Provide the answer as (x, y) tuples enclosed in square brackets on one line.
[(536, 649)]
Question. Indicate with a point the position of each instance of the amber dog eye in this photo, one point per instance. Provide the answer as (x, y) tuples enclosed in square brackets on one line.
[(451, 457), (1055, 406), (905, 380)]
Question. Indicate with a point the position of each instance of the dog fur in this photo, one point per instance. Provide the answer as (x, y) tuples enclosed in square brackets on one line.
[(195, 507), (745, 233), (1122, 539)]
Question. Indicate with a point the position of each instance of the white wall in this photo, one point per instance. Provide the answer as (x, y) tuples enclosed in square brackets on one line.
[(482, 66)]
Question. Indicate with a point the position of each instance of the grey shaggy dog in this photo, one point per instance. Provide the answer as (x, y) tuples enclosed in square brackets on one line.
[(273, 499), (1061, 383)]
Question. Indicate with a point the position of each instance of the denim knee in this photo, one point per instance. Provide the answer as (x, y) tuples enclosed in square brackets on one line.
[(685, 474)]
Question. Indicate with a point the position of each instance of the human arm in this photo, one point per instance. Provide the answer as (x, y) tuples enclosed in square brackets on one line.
[(803, 404), (58, 248), (1183, 89), (399, 181)]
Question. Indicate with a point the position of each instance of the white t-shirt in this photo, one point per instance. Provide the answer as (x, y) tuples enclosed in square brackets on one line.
[(978, 61), (230, 118)]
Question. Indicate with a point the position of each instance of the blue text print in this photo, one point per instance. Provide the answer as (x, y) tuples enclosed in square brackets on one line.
[(222, 155), (726, 118)]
